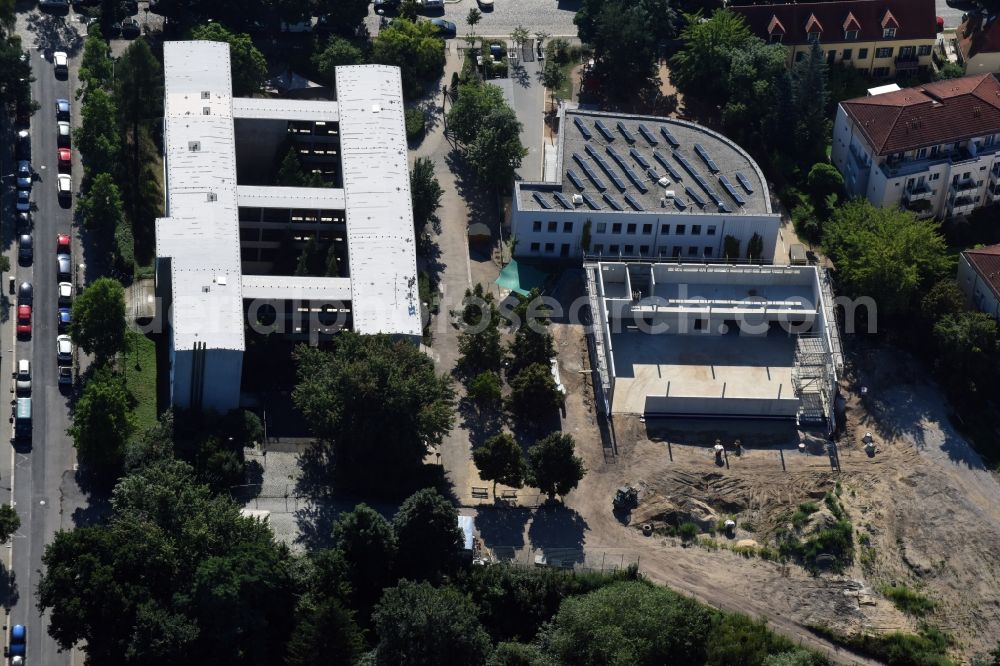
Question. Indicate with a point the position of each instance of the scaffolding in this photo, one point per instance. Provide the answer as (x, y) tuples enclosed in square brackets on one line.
[(813, 381)]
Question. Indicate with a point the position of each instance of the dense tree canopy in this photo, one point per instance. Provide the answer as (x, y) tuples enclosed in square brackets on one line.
[(10, 522), (378, 402), (474, 102), (701, 67), (174, 572), (428, 535), (553, 466), (98, 325), (496, 152), (101, 209), (500, 460), (426, 626), (414, 47), (247, 62), (98, 137), (96, 65), (886, 254), (337, 52), (425, 191), (102, 424), (366, 548), (534, 394)]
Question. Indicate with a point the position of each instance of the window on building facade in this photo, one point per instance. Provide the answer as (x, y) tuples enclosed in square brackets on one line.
[(630, 229), (862, 54), (536, 225), (613, 249), (553, 227), (663, 251), (813, 37), (883, 52), (647, 229), (708, 251), (850, 35), (550, 248), (889, 33), (692, 251), (616, 228), (665, 229), (775, 37), (602, 227), (567, 227), (711, 230), (681, 229), (677, 251), (695, 229), (848, 53), (879, 72), (924, 50), (599, 248), (644, 250), (629, 250), (535, 247)]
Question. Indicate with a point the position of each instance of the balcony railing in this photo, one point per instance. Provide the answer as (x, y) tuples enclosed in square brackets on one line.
[(907, 62), (961, 206), (964, 186), (918, 192)]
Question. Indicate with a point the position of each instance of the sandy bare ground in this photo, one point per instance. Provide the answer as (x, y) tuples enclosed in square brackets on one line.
[(929, 508)]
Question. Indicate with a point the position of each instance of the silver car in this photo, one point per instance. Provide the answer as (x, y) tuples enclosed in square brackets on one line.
[(25, 176), (23, 377)]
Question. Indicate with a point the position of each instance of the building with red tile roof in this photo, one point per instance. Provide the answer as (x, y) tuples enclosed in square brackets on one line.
[(932, 149), (978, 42), (979, 278), (882, 37)]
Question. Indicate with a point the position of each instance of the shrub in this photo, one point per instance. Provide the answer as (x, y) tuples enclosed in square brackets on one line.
[(907, 600), (415, 123), (124, 248), (688, 531)]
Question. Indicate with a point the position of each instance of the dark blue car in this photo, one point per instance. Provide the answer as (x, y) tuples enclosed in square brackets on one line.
[(64, 319), (18, 640)]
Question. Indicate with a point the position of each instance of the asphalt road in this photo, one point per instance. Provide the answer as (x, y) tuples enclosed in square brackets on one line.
[(45, 493), (554, 17)]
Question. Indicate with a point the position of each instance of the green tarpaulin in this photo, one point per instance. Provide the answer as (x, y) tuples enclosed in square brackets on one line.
[(520, 278)]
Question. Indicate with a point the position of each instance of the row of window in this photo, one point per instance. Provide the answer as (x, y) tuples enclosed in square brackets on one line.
[(630, 228), (814, 36), (629, 250), (881, 52)]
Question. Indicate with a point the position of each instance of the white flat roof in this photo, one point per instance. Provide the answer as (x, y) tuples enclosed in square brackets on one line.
[(285, 109), (283, 287), (200, 232), (380, 239), (328, 198)]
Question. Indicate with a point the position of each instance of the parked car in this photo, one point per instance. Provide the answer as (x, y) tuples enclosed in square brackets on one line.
[(53, 4), (65, 159), (25, 294), (64, 186), (62, 244), (63, 137), (61, 62), (65, 293), (431, 4), (23, 201), (62, 109), (444, 28), (23, 223), (63, 319), (22, 379), (64, 349), (127, 29), (25, 175), (385, 5), (18, 640), (25, 248), (24, 321), (22, 149), (65, 376), (65, 267), (485, 4)]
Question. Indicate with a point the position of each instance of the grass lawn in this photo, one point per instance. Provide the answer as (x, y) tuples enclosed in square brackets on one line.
[(140, 378), (565, 91)]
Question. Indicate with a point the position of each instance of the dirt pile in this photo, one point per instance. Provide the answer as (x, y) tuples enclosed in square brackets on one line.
[(662, 511)]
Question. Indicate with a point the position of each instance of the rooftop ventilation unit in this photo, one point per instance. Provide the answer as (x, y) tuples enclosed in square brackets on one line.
[(663, 181), (577, 199)]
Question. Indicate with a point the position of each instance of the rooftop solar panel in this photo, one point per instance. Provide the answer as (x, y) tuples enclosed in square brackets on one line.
[(632, 175), (732, 191), (680, 203), (697, 198), (563, 201), (666, 165), (723, 208), (625, 133), (687, 165), (638, 157), (632, 202), (744, 182), (703, 154), (603, 129), (669, 137), (651, 172), (541, 201), (575, 178), (598, 183), (612, 202), (597, 157), (649, 136), (583, 128), (589, 200)]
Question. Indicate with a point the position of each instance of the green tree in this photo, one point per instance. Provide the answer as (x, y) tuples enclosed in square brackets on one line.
[(885, 253), (290, 172), (500, 460), (15, 77), (534, 394), (472, 19), (485, 390), (496, 152), (625, 36), (553, 466), (10, 522), (756, 113), (98, 325), (248, 63), (422, 625), (98, 137), (944, 298), (474, 103), (479, 339), (428, 535), (755, 247), (96, 65), (408, 10), (344, 15), (823, 180), (950, 70), (967, 352), (172, 571), (101, 209), (553, 76), (101, 424), (701, 68), (812, 127), (415, 48), (313, 260), (338, 52), (516, 654), (629, 623), (425, 191), (378, 403), (366, 548), (325, 633), (153, 446)]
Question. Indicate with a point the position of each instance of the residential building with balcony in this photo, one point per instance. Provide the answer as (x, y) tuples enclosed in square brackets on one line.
[(979, 278), (882, 37), (932, 149), (631, 187)]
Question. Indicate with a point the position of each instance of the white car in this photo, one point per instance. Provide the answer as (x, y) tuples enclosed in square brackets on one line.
[(64, 185), (61, 61), (64, 349), (486, 4), (65, 293), (62, 138), (23, 377)]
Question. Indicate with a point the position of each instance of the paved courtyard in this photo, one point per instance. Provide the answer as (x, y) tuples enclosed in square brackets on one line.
[(554, 17)]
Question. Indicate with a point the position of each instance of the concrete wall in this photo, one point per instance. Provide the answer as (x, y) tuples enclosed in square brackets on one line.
[(220, 380), (785, 407)]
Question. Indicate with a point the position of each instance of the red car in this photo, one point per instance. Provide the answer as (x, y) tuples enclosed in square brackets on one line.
[(62, 244), (24, 320), (65, 159)]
